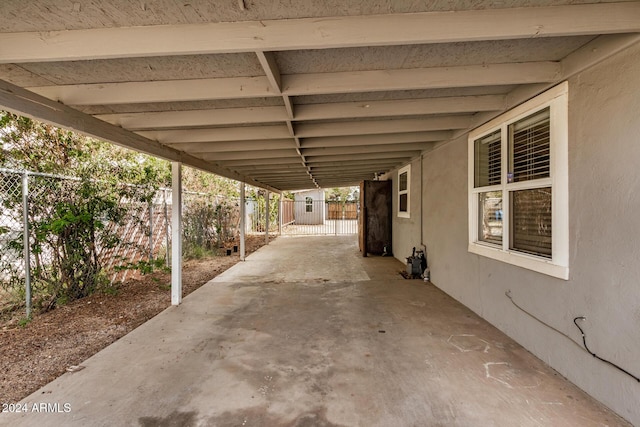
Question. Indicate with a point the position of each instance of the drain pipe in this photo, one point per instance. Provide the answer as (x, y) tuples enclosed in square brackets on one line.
[(421, 206)]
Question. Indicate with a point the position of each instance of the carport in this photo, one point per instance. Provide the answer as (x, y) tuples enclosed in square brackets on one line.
[(307, 332), (290, 96)]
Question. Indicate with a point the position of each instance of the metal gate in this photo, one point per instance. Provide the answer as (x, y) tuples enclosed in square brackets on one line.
[(319, 217)]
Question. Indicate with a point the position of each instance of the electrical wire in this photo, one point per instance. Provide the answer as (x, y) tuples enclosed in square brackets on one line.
[(582, 346), (584, 341)]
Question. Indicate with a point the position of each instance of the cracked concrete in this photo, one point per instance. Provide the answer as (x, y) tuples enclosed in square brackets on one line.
[(306, 332)]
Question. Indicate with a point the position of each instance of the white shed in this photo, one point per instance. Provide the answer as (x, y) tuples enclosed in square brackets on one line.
[(309, 207)]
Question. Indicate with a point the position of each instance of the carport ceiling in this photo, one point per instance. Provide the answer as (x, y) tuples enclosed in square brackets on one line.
[(292, 95)]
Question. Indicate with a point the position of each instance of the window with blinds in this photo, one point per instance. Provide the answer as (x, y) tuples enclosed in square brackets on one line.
[(531, 221), (518, 196), (488, 160), (403, 191), (529, 147)]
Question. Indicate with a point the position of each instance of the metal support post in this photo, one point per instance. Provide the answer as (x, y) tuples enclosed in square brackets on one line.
[(166, 228), (151, 230), (280, 215), (26, 241), (243, 217), (266, 221)]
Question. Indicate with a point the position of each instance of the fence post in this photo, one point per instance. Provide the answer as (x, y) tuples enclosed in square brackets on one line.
[(266, 222), (151, 230), (167, 256), (280, 215), (26, 241)]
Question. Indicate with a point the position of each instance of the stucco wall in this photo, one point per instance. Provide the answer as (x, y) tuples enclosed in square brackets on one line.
[(604, 200), (406, 231)]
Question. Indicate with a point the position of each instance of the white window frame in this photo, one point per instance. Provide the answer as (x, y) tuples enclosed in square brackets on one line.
[(558, 265), (407, 170)]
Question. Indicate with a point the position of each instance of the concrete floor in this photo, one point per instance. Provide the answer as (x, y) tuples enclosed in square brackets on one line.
[(306, 332)]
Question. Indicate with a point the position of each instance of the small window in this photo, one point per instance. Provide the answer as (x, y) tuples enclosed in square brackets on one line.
[(308, 204), (518, 186), (488, 160), (404, 180)]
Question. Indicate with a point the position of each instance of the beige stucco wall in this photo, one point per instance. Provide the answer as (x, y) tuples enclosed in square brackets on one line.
[(406, 231), (604, 200)]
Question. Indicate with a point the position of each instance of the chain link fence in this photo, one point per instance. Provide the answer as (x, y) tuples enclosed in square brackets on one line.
[(125, 234)]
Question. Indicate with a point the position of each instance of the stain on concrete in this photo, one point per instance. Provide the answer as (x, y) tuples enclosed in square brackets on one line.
[(260, 416), (174, 419)]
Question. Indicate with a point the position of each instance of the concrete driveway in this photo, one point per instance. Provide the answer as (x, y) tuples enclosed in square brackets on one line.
[(306, 332)]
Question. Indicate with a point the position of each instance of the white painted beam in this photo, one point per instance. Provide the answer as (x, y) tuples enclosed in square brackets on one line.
[(252, 168), (364, 156), (23, 102), (370, 127), (388, 138), (225, 146), (356, 151), (176, 233), (288, 106), (321, 33), (192, 118), (270, 67), (420, 78), (302, 84), (239, 155), (268, 177), (280, 172), (252, 162), (157, 91), (355, 161), (240, 133), (354, 168), (400, 107)]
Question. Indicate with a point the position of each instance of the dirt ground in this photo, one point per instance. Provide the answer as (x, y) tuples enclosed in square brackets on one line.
[(37, 353)]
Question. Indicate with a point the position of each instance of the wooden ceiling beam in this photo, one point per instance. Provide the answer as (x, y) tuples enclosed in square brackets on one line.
[(357, 151), (302, 84), (420, 78), (363, 156), (158, 91), (254, 162), (321, 33), (224, 146), (388, 138), (400, 107), (310, 130), (194, 118), (240, 155), (218, 134)]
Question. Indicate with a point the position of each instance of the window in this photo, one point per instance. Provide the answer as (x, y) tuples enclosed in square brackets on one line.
[(308, 201), (518, 186), (404, 183)]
